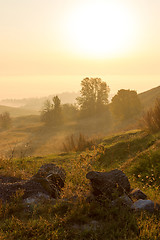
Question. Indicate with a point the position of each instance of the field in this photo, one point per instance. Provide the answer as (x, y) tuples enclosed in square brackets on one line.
[(135, 152), (28, 136)]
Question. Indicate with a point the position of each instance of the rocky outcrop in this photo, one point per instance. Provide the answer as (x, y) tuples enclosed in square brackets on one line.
[(114, 185), (108, 184), (48, 181)]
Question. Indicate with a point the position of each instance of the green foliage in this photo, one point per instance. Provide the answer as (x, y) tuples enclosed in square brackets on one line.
[(151, 120), (5, 120), (94, 96), (125, 104)]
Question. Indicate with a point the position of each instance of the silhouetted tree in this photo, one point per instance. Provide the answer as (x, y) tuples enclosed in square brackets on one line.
[(57, 112), (5, 120), (51, 113), (125, 104), (94, 96)]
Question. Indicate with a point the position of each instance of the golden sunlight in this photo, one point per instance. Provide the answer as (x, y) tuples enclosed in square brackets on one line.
[(102, 29)]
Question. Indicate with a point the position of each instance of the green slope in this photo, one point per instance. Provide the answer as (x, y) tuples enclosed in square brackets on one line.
[(135, 152)]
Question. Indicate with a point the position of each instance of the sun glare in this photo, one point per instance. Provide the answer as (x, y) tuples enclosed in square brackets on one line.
[(102, 29)]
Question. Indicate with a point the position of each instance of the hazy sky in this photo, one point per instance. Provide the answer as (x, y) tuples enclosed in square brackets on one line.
[(49, 46)]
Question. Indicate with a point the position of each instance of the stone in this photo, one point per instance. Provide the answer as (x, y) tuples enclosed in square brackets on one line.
[(147, 205), (48, 181), (124, 200), (138, 194), (36, 198), (51, 177), (108, 184)]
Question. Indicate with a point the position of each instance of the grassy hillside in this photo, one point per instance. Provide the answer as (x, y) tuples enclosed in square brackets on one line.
[(135, 152), (148, 98), (17, 112)]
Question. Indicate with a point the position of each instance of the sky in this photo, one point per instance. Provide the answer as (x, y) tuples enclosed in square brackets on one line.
[(49, 46)]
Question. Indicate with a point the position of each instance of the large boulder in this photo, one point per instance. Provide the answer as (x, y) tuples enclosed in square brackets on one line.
[(108, 184)]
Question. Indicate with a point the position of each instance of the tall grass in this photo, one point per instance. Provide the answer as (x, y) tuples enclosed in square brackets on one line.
[(151, 120), (75, 143)]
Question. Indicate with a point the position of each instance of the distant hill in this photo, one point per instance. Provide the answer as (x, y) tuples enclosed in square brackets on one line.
[(37, 103), (17, 112), (148, 98)]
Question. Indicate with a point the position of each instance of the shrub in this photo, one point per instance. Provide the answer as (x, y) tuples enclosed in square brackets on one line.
[(5, 120), (151, 120)]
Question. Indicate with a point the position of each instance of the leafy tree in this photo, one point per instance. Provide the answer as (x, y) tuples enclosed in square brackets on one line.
[(5, 120), (125, 104), (69, 111), (47, 112), (57, 112), (51, 113), (94, 96)]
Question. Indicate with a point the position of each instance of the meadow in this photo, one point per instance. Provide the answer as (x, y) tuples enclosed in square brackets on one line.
[(80, 146), (72, 217)]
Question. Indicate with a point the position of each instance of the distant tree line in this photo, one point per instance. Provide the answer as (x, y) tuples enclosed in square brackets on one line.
[(92, 103)]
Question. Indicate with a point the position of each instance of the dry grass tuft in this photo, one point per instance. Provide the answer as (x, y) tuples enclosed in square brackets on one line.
[(76, 143), (151, 120)]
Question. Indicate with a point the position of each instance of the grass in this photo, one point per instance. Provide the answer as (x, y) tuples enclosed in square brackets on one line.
[(71, 217), (79, 143)]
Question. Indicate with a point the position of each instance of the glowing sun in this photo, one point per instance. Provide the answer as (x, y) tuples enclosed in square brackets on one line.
[(102, 29)]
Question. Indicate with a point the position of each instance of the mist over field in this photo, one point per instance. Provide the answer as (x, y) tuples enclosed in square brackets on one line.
[(79, 120)]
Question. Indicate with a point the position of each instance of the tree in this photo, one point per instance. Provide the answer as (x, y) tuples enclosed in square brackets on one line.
[(69, 111), (94, 96), (125, 104), (57, 113), (5, 120), (51, 113)]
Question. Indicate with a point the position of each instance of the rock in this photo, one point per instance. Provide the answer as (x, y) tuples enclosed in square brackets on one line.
[(36, 198), (147, 205), (138, 194), (109, 184), (123, 200), (51, 177), (47, 182), (29, 188)]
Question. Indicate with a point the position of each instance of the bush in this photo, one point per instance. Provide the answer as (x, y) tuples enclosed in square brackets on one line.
[(151, 120)]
